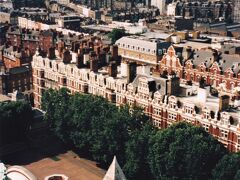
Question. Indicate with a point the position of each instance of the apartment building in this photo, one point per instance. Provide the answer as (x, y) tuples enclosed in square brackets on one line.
[(165, 99), (16, 72), (221, 71), (142, 50)]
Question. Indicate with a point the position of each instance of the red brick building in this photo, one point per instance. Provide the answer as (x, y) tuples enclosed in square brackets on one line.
[(221, 71)]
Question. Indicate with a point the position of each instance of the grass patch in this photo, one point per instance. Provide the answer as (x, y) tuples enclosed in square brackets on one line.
[(55, 158)]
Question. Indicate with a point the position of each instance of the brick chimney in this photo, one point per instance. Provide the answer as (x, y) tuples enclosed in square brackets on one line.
[(97, 49), (66, 56), (114, 51), (112, 69), (75, 46), (79, 62), (51, 53), (60, 48), (93, 62), (224, 102)]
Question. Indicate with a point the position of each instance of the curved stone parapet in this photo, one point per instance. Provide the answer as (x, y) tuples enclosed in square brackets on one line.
[(19, 173)]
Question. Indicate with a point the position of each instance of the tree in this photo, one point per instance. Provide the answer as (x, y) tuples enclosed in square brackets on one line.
[(56, 105), (136, 166), (116, 34), (184, 151), (228, 167), (15, 120)]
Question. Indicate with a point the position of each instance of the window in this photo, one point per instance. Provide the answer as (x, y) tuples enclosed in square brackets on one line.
[(172, 117), (188, 110), (157, 111), (224, 134), (238, 140)]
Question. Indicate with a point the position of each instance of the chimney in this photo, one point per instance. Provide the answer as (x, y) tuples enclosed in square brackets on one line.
[(93, 61), (89, 44), (15, 48), (173, 85), (79, 62), (97, 49), (75, 47), (187, 53), (195, 34), (112, 69), (51, 53), (224, 102), (66, 56), (93, 65), (131, 71), (114, 51), (214, 56), (60, 47)]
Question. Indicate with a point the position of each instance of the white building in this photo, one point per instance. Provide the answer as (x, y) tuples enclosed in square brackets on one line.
[(30, 24), (160, 4), (171, 9)]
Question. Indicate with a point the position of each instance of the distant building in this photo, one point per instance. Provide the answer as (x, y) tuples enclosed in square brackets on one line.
[(160, 4), (141, 50), (32, 24), (69, 22), (236, 11)]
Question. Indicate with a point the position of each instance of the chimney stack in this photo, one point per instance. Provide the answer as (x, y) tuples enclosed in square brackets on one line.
[(224, 102), (93, 61), (187, 53), (112, 69), (214, 56), (60, 47), (129, 70), (79, 62), (51, 53), (66, 56), (114, 51), (15, 48)]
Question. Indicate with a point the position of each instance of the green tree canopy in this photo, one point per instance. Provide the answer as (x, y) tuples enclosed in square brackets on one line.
[(184, 151), (94, 126), (116, 34), (100, 130), (137, 150), (228, 167), (15, 119)]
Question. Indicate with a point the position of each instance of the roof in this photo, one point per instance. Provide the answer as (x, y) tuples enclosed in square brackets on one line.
[(138, 42), (202, 56), (157, 35), (114, 172), (230, 61), (18, 70)]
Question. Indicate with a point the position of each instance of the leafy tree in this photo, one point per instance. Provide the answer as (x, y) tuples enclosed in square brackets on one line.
[(136, 166), (15, 120), (116, 34), (184, 151), (101, 130), (56, 104), (228, 167)]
